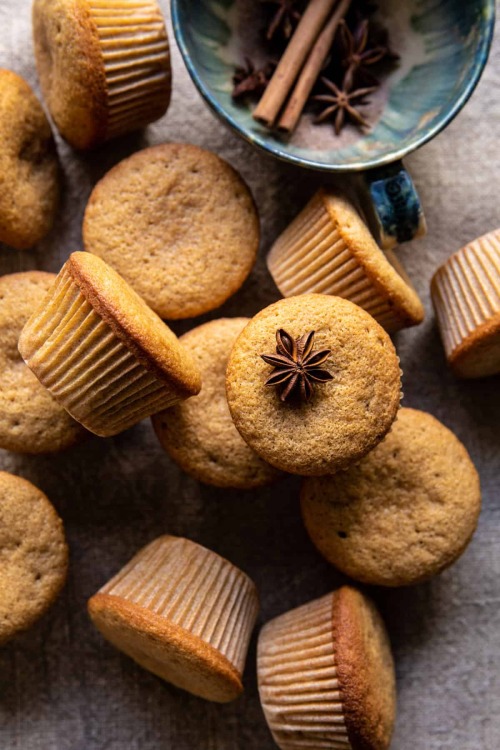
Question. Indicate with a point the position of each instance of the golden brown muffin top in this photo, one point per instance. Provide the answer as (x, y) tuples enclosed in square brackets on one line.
[(199, 433), (31, 421), (71, 69), (403, 513), (33, 554), (179, 224), (29, 168), (345, 417)]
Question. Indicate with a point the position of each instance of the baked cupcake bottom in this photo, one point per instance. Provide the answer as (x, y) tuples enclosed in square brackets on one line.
[(479, 355), (86, 367), (298, 680), (183, 612), (466, 296), (166, 649), (136, 61), (328, 249), (326, 675)]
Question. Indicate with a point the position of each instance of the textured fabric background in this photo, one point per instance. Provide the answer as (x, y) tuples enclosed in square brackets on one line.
[(61, 686)]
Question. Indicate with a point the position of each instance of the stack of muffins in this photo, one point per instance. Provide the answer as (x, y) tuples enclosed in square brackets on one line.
[(310, 386)]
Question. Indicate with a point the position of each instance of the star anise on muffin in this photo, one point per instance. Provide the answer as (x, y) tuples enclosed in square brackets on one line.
[(296, 366)]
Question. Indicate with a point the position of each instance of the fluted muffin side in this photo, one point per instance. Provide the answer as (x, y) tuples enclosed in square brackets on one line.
[(103, 65), (101, 352), (466, 296), (136, 59), (327, 249), (298, 680), (182, 612), (205, 594)]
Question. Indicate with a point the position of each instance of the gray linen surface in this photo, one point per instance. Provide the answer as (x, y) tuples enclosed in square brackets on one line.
[(61, 686)]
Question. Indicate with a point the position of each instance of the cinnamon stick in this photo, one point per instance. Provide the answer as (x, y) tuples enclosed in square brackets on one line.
[(289, 67), (311, 70)]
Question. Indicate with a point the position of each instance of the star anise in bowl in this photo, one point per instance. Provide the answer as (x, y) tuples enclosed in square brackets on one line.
[(250, 81), (341, 104)]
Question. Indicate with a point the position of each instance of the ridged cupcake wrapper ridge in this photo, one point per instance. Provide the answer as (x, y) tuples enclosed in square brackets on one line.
[(196, 590), (298, 683), (311, 256), (135, 54), (466, 290), (86, 367)]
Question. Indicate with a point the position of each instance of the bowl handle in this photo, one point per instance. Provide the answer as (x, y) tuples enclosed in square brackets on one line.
[(391, 204)]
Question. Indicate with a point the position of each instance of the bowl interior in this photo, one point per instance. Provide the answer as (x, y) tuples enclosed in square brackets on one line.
[(443, 46)]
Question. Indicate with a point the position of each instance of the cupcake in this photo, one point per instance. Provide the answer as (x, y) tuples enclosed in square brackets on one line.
[(179, 224), (328, 249), (183, 613), (466, 297), (31, 421), (199, 433), (313, 384), (29, 166), (104, 67), (326, 675), (404, 513), (33, 552), (102, 353)]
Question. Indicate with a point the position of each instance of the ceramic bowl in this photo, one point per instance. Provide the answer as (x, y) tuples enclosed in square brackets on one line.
[(443, 45)]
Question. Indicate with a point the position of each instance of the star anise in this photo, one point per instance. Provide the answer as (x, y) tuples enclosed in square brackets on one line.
[(285, 19), (358, 53), (296, 366), (343, 103), (247, 80)]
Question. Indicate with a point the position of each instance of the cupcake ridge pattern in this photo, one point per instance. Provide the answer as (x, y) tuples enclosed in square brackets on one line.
[(135, 55), (226, 626), (328, 249), (466, 296), (326, 675), (298, 679), (102, 353), (182, 612), (103, 65)]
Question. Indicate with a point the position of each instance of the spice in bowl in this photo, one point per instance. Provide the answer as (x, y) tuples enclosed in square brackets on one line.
[(327, 55)]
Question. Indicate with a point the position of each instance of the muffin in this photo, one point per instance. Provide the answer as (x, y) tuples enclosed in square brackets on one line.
[(466, 297), (183, 613), (33, 554), (31, 421), (326, 675), (328, 249), (29, 168), (179, 224), (104, 67), (404, 513), (345, 391), (199, 434), (102, 353)]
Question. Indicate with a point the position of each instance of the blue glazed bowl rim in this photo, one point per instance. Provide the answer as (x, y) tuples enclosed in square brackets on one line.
[(274, 149)]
